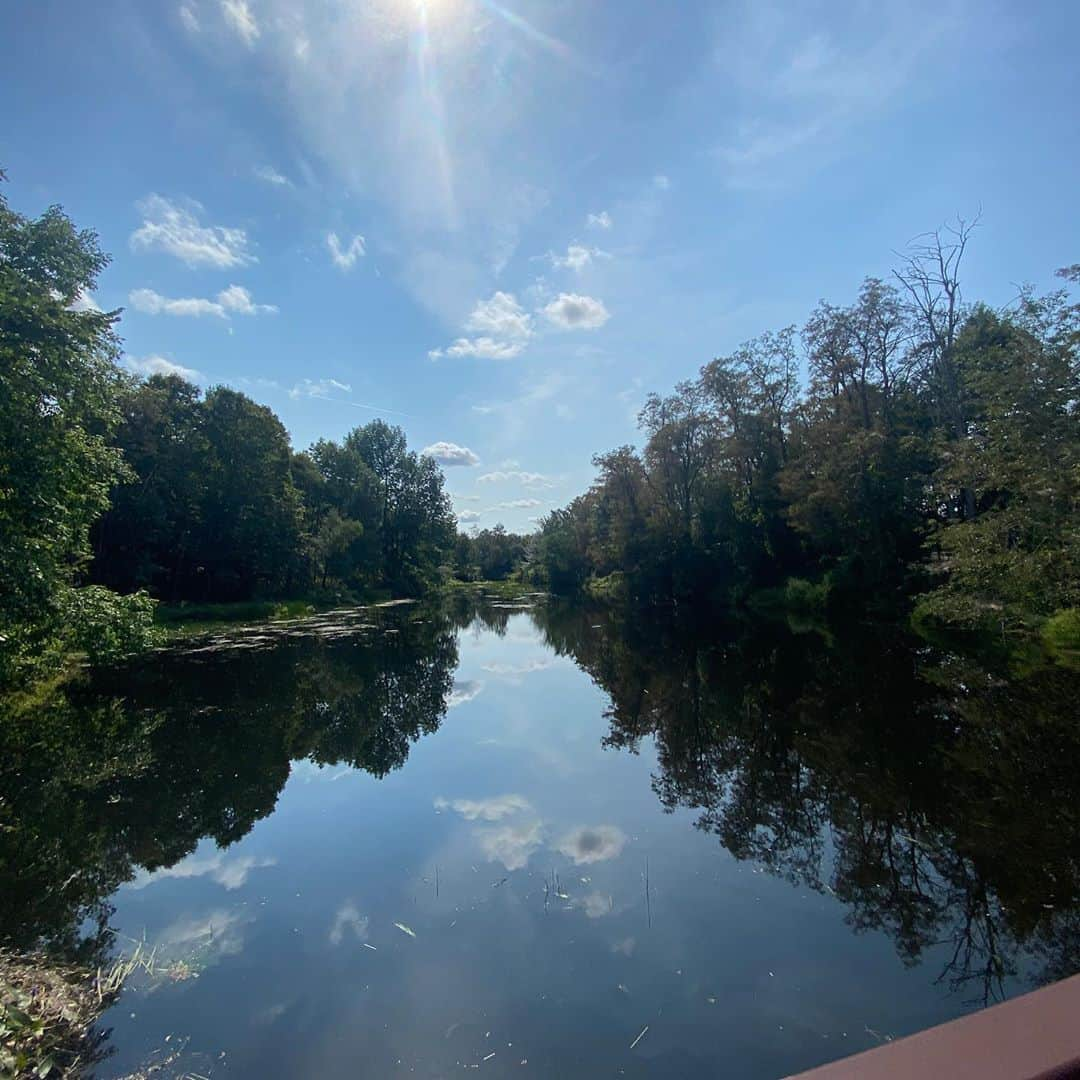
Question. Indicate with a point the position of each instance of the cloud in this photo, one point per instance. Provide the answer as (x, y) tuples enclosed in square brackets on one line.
[(599, 221), (348, 920), (318, 388), (468, 517), (345, 258), (483, 348), (269, 175), (233, 300), (805, 88), (571, 311), (504, 328), (597, 905), (577, 257), (450, 454), (510, 476), (517, 504), (500, 316), (158, 365), (513, 671), (175, 229), (464, 690), (230, 871), (512, 845), (84, 302), (661, 182), (592, 843), (494, 808), (214, 935), (240, 19), (189, 18)]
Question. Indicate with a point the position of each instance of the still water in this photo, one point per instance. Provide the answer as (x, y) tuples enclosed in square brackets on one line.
[(548, 841)]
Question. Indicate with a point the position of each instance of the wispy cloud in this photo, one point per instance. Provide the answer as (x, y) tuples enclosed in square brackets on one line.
[(516, 476), (269, 175), (189, 19), (592, 843), (348, 922), (577, 257), (229, 871), (234, 300), (174, 228), (804, 88), (517, 504), (494, 808), (241, 20), (449, 454), (344, 256), (159, 365), (601, 220), (318, 388), (464, 691)]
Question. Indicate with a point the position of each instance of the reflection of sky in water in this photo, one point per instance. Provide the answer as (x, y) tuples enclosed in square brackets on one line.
[(516, 848)]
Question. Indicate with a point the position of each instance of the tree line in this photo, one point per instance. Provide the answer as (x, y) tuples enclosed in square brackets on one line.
[(908, 443), (115, 491)]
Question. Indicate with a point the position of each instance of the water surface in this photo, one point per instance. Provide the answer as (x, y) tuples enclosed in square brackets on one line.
[(550, 842)]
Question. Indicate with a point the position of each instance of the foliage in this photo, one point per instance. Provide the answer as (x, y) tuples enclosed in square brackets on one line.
[(1061, 634), (106, 626), (934, 448)]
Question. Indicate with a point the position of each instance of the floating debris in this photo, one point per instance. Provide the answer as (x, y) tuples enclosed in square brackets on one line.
[(641, 1035), (371, 947), (405, 929), (490, 1056)]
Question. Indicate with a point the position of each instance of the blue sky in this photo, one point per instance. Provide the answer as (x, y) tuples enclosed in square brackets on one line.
[(502, 224)]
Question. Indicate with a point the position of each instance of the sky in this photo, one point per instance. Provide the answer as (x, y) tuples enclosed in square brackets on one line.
[(500, 225)]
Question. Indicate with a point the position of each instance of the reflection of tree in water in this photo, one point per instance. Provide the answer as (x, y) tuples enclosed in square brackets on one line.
[(934, 799), (98, 782)]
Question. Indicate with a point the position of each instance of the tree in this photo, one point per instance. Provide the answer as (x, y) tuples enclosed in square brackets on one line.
[(59, 388)]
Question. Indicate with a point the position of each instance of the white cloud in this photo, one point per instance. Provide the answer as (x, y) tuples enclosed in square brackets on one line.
[(218, 933), (348, 920), (84, 302), (189, 18), (599, 221), (504, 328), (571, 311), (512, 845), (344, 258), (577, 257), (450, 454), (467, 517), (240, 19), (510, 476), (174, 228), (661, 182), (501, 316), (318, 388), (494, 808), (237, 299), (233, 300), (483, 348), (592, 843), (229, 871), (158, 365), (268, 174), (515, 671), (464, 690), (517, 504)]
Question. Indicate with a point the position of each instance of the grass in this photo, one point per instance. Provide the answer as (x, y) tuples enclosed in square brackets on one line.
[(47, 1014)]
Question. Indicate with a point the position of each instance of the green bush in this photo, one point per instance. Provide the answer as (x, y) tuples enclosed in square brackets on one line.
[(107, 626), (1061, 635)]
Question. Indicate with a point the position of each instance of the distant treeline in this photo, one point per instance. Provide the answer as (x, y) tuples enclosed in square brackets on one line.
[(115, 491), (931, 447)]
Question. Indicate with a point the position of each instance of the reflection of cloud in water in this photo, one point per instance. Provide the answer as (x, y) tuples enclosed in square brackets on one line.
[(493, 809), (592, 843), (308, 771), (232, 872), (348, 920), (626, 946), (511, 844), (219, 933), (514, 671), (464, 690), (597, 905)]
